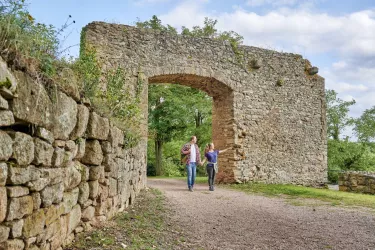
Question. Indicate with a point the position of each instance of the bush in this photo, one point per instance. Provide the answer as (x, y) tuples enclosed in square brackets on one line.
[(349, 156)]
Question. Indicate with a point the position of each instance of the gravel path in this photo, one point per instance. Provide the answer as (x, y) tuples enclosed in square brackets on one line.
[(226, 219)]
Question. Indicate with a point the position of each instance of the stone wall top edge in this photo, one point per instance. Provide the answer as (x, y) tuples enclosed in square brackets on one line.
[(44, 84), (246, 48)]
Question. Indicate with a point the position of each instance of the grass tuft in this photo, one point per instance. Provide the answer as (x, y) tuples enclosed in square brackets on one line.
[(333, 197)]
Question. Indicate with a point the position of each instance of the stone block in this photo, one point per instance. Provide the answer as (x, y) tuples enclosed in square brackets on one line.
[(93, 153), (17, 191), (33, 104), (108, 161), (94, 189), (38, 185), (15, 244), (52, 213), (85, 171), (83, 114), (70, 146), (29, 242), (72, 176), (6, 146), (53, 229), (45, 134), (3, 103), (23, 149), (3, 173), (52, 194), (43, 153), (34, 224), (101, 208), (59, 143), (19, 207), (3, 203), (58, 157), (74, 218), (70, 199), (65, 116), (88, 213), (37, 200), (6, 118), (97, 127), (81, 146), (15, 228), (84, 191), (4, 234), (103, 193), (106, 147), (116, 136), (18, 175), (68, 83), (96, 173), (112, 187)]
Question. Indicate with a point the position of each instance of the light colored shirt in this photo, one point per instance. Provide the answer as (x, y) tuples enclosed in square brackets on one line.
[(193, 153)]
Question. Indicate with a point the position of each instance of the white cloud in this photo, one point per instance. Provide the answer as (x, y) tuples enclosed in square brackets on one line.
[(271, 2), (349, 38), (145, 2), (188, 13), (347, 87)]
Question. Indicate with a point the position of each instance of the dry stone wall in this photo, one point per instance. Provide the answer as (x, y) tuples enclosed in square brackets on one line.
[(268, 106), (63, 167), (358, 182)]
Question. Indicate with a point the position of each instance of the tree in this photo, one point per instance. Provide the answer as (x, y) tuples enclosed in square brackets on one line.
[(155, 24), (337, 114), (365, 125)]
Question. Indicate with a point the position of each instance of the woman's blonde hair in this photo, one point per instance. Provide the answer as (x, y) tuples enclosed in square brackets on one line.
[(207, 148)]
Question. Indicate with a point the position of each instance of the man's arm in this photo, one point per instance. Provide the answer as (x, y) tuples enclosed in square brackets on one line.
[(185, 150)]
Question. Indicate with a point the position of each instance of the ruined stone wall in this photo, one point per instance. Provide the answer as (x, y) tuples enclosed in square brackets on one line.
[(63, 167), (358, 182), (268, 106)]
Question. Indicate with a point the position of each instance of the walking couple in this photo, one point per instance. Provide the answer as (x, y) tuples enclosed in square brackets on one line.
[(191, 157)]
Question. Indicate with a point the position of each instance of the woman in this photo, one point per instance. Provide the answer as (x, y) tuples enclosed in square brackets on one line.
[(211, 157)]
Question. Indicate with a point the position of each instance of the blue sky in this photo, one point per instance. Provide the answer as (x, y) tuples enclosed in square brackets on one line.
[(336, 36)]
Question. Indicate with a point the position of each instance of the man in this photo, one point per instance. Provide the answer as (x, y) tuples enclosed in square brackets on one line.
[(193, 157)]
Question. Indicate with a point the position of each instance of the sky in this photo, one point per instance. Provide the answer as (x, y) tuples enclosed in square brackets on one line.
[(337, 36)]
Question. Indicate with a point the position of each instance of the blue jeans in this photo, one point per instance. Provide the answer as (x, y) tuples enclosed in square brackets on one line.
[(191, 169)]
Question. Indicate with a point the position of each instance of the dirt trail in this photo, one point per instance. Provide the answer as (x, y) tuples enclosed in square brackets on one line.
[(226, 219)]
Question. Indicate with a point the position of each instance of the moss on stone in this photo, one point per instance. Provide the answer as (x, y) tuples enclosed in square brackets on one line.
[(6, 83)]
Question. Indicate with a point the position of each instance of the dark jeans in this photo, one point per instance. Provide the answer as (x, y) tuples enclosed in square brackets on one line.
[(211, 174)]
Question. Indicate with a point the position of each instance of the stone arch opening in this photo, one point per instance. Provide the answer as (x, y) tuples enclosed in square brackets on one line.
[(223, 132)]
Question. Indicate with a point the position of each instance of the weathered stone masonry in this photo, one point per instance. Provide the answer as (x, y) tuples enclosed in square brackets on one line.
[(63, 167), (269, 106)]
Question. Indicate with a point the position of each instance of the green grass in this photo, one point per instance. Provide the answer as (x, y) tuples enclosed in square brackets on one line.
[(142, 226), (332, 197), (198, 179)]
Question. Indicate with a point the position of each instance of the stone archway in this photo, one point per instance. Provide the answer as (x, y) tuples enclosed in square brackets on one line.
[(223, 132), (266, 104)]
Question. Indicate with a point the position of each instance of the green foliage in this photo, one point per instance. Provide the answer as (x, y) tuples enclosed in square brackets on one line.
[(155, 24), (346, 155), (21, 37), (170, 168), (337, 114), (176, 113), (365, 125), (6, 83)]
